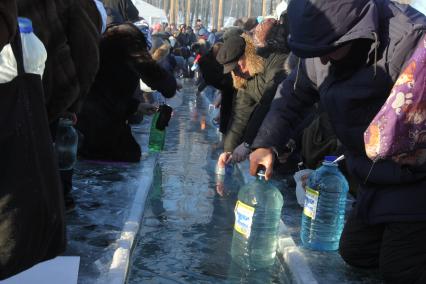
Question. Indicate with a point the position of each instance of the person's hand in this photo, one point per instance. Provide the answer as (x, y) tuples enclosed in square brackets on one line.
[(220, 188), (147, 109), (264, 157), (283, 158), (224, 158), (240, 153), (218, 101), (71, 116), (304, 179)]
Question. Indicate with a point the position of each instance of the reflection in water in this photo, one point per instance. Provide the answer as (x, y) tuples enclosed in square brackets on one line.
[(155, 195), (187, 229)]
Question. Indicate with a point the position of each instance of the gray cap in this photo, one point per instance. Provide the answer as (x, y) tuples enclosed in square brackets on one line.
[(231, 51)]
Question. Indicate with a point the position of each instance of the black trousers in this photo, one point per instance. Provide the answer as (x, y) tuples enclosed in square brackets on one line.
[(66, 179), (397, 249)]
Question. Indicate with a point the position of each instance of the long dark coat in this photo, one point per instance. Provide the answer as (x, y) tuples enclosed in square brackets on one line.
[(103, 120)]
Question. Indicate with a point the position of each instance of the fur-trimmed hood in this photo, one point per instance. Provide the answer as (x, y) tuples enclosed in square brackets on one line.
[(255, 63), (161, 52)]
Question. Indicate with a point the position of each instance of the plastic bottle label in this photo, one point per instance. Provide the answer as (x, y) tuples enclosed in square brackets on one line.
[(311, 202), (243, 218)]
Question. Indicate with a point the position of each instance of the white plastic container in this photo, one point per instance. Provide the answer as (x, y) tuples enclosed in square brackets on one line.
[(33, 50)]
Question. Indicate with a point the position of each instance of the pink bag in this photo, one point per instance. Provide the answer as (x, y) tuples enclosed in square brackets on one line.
[(398, 131)]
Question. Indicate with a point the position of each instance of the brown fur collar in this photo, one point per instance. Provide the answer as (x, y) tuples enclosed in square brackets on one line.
[(255, 63), (161, 52)]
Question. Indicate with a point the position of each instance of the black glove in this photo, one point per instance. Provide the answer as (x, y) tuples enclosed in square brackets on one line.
[(164, 117)]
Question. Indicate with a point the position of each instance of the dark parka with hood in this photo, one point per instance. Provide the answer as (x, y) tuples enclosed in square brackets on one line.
[(352, 92), (257, 91), (120, 11)]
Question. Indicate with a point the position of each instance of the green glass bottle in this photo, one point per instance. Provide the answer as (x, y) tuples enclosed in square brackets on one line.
[(257, 217), (156, 137)]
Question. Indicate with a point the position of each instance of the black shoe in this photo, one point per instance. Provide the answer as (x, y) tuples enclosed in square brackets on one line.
[(69, 203)]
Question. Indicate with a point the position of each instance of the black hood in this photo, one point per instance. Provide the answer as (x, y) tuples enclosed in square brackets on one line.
[(318, 27), (121, 11)]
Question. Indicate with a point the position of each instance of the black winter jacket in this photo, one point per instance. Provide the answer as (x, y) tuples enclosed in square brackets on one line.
[(103, 121), (352, 94), (66, 31), (8, 21)]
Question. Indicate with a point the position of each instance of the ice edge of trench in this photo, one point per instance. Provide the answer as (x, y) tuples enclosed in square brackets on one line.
[(119, 267)]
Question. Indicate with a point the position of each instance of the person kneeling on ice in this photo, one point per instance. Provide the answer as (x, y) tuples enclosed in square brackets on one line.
[(257, 67), (354, 50), (125, 59)]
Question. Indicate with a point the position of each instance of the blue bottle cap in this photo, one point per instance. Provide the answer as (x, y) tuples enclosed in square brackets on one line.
[(330, 158), (25, 25)]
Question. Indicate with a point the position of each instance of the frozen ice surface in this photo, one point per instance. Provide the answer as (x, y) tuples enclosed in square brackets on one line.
[(187, 227), (103, 193), (327, 267)]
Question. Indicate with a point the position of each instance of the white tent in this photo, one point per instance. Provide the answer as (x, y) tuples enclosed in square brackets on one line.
[(149, 12)]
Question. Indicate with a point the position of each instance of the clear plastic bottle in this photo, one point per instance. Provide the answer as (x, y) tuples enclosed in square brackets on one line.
[(156, 137), (224, 174), (33, 51), (257, 218), (66, 144), (324, 210)]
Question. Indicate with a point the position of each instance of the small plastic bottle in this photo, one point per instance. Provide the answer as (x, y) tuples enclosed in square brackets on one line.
[(324, 210), (66, 144), (157, 137), (33, 51)]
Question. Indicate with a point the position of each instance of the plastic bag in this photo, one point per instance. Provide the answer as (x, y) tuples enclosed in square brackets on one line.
[(300, 190), (33, 50)]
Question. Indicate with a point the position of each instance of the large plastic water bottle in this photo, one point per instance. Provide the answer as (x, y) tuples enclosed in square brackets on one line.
[(257, 218), (157, 137), (66, 144), (33, 51), (324, 210)]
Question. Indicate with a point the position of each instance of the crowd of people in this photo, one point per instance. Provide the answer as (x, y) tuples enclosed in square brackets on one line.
[(294, 87)]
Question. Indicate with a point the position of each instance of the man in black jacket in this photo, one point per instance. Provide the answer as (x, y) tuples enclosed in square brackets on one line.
[(354, 51)]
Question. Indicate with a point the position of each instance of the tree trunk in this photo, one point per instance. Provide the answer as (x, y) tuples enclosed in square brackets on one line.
[(231, 9), (194, 11), (165, 2), (176, 12), (220, 16), (188, 13), (264, 7), (213, 14), (172, 16), (206, 17), (250, 4)]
